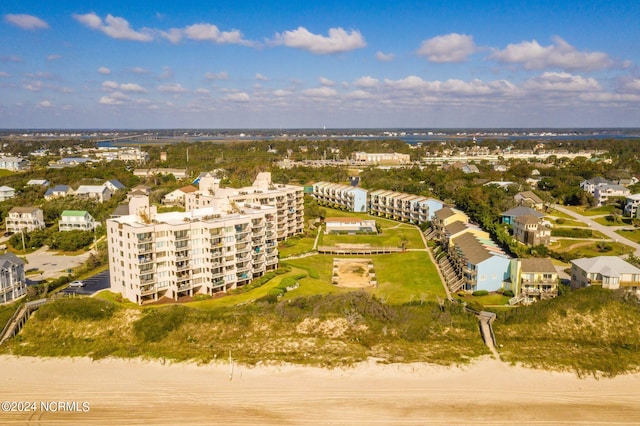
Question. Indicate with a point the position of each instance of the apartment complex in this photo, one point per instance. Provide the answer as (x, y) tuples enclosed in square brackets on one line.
[(288, 200), (337, 195), (403, 207), (380, 158), (203, 251)]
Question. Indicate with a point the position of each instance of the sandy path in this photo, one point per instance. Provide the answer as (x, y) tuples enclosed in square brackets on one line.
[(135, 392)]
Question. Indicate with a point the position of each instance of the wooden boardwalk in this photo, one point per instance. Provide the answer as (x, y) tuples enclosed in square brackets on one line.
[(19, 318)]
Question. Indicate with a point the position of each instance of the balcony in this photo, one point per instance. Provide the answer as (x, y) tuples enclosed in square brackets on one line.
[(146, 279), (147, 290), (143, 260)]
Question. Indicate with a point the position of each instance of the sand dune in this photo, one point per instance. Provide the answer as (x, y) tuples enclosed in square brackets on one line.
[(138, 392)]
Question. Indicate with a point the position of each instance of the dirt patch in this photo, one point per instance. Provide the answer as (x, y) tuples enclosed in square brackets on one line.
[(353, 273)]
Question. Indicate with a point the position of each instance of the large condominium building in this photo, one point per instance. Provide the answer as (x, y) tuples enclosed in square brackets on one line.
[(203, 251), (380, 158), (403, 207), (288, 200), (338, 195)]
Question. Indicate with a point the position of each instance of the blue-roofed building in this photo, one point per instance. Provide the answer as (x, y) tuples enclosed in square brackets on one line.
[(509, 216), (114, 185), (58, 191)]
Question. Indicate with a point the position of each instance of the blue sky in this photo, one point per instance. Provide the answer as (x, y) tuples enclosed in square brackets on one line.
[(307, 64)]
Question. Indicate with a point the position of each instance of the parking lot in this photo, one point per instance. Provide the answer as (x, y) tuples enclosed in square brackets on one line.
[(92, 284)]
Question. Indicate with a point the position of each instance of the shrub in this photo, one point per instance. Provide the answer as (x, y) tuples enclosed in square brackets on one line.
[(508, 293), (480, 293), (78, 309), (157, 323)]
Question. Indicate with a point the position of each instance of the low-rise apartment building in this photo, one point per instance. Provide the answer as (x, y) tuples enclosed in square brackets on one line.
[(203, 251), (403, 207), (381, 158), (603, 193), (341, 196), (631, 205)]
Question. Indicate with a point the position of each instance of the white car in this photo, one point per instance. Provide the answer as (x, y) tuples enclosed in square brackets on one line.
[(76, 284)]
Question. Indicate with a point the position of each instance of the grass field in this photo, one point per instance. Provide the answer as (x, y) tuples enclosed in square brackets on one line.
[(295, 246), (594, 211), (633, 235), (609, 221), (585, 248)]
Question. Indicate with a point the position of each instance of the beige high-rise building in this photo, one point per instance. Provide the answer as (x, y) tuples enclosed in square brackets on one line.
[(287, 199), (203, 251)]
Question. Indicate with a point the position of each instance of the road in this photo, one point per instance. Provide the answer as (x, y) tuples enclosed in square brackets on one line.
[(609, 231)]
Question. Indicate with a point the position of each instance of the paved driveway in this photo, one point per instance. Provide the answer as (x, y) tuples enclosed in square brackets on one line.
[(51, 264), (95, 283), (606, 230)]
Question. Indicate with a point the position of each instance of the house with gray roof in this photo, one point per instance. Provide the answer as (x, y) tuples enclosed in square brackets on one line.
[(13, 284), (58, 191), (509, 216), (607, 271)]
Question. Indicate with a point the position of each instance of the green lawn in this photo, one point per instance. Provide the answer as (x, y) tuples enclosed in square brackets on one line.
[(389, 237), (558, 213), (608, 221), (594, 211), (402, 277), (295, 246), (491, 299), (633, 234), (560, 222)]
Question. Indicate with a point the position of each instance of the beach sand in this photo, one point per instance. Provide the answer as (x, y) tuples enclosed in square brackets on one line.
[(124, 392)]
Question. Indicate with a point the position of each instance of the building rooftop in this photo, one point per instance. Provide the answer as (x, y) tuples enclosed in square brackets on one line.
[(538, 265)]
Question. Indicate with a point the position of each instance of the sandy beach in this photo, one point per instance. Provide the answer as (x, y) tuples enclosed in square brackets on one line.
[(139, 392)]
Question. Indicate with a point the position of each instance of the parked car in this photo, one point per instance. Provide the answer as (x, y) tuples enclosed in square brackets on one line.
[(8, 234), (76, 284)]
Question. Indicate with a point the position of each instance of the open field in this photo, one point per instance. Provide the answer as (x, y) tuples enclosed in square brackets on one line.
[(594, 211), (588, 248), (631, 234), (610, 221)]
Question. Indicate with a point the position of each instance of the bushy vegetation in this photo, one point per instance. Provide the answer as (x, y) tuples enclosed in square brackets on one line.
[(336, 329), (589, 331)]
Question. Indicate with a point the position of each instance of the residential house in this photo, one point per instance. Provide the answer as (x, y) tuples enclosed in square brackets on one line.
[(590, 185), (532, 280), (114, 185), (76, 220), (529, 199), (464, 167), (6, 193), (345, 196), (13, 284), (38, 182), (509, 216), (15, 164), (529, 230), (58, 191), (603, 193), (176, 198), (607, 271), (73, 161), (99, 193), (500, 184), (631, 205), (24, 219)]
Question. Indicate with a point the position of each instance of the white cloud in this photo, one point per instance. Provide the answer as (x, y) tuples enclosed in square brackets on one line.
[(174, 35), (54, 57), (34, 86), (327, 82), (210, 32), (172, 88), (633, 85), (140, 70), (562, 82), (359, 94), (108, 100), (114, 27), (45, 104), (26, 22), (338, 40), (282, 93), (132, 87), (104, 71), (320, 92), (223, 75), (385, 57), (411, 82), (261, 77), (452, 47), (559, 55), (4, 74), (109, 85), (202, 91), (237, 97), (366, 82)]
